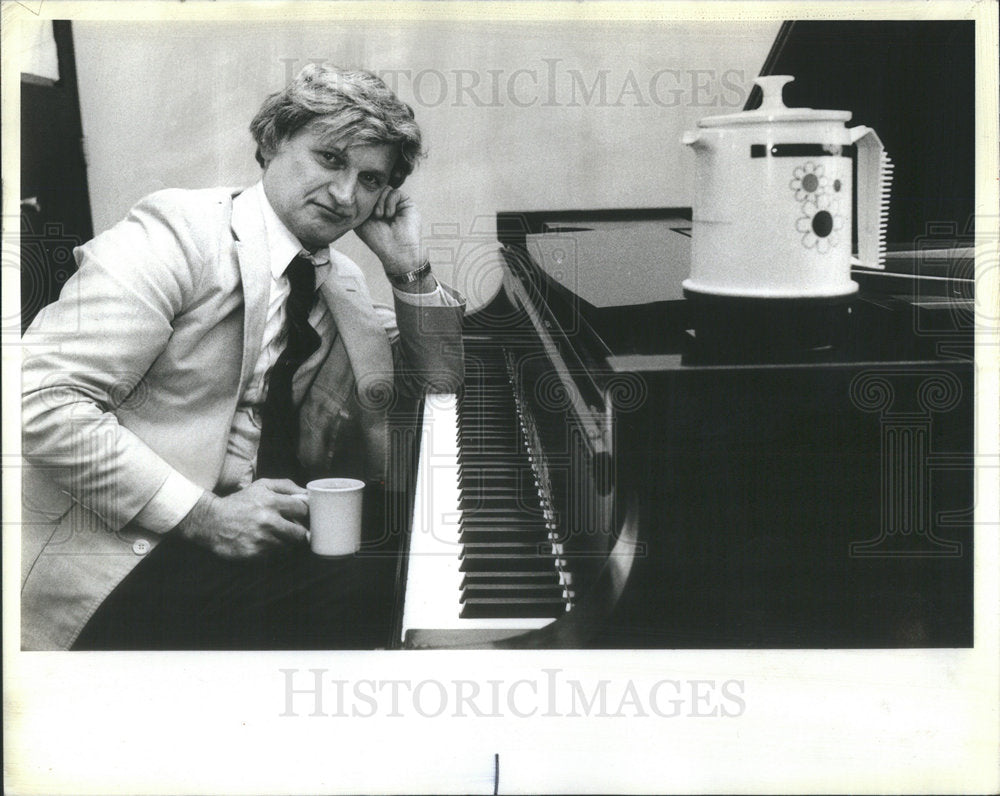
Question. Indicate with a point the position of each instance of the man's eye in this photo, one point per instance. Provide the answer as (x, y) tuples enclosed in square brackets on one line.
[(331, 158), (372, 180)]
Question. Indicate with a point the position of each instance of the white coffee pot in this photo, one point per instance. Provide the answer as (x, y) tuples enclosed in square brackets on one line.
[(772, 215)]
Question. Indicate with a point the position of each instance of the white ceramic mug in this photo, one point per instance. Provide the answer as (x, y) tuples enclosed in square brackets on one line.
[(335, 516)]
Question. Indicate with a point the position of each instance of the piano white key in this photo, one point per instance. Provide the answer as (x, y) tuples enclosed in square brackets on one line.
[(433, 579)]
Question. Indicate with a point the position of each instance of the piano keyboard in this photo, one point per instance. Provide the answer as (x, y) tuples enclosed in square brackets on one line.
[(483, 552)]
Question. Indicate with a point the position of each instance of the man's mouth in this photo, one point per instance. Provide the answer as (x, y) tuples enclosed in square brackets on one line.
[(334, 214)]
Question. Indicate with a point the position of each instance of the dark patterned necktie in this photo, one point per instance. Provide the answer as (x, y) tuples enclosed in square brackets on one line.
[(276, 456)]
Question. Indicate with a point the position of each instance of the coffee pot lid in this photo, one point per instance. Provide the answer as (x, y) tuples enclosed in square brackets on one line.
[(773, 108)]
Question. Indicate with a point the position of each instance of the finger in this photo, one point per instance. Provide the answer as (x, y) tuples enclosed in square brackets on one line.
[(392, 203), (282, 486), (292, 507), (380, 202), (288, 531)]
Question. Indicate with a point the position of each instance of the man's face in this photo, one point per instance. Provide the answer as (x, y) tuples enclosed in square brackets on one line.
[(321, 188)]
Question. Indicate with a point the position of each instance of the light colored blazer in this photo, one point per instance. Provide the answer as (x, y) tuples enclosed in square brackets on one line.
[(137, 369)]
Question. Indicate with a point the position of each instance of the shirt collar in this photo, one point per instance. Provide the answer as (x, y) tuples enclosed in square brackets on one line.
[(282, 245)]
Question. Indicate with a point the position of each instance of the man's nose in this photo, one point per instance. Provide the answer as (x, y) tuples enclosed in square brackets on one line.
[(342, 188)]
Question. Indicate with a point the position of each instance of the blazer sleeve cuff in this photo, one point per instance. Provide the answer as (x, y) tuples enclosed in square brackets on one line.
[(169, 505)]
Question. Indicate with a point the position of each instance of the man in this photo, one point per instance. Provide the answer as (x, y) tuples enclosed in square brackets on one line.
[(202, 340)]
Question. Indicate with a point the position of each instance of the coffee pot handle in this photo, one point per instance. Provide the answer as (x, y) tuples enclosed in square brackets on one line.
[(874, 184)]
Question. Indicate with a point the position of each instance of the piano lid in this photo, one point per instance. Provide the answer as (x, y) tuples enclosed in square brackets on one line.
[(616, 263)]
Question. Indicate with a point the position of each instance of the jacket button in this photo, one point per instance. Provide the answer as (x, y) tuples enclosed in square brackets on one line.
[(140, 547)]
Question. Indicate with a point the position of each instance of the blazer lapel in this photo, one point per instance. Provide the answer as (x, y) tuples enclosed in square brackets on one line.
[(369, 352), (364, 336), (252, 252)]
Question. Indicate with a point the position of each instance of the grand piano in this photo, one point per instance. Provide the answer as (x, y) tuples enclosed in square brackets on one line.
[(606, 478)]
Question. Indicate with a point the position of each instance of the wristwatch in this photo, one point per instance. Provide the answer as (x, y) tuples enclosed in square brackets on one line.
[(400, 280)]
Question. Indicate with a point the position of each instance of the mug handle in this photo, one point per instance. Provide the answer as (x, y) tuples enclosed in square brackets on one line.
[(874, 185)]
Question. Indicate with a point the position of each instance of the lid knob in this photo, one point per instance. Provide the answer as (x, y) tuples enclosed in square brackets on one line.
[(772, 86)]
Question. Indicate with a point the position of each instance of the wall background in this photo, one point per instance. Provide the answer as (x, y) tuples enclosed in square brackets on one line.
[(517, 116)]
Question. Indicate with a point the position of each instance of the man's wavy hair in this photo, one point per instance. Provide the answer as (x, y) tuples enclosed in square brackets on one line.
[(356, 107)]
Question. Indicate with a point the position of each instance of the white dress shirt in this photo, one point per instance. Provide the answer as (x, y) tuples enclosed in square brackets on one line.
[(177, 496)]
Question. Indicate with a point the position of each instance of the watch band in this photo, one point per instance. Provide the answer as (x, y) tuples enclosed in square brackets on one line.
[(399, 280)]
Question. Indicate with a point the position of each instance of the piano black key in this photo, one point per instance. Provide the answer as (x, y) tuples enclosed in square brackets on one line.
[(480, 477), (506, 544), (474, 535), (473, 486), (499, 496), (524, 591), (480, 508), (536, 525), (500, 513), (494, 607), (475, 585), (536, 522), (504, 547), (509, 489), (496, 471), (489, 450), (502, 563), (492, 460), (473, 482), (475, 579), (477, 462), (508, 502), (495, 514), (526, 492), (498, 393)]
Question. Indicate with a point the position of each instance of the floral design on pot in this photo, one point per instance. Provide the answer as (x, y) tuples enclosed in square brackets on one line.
[(820, 223), (809, 181)]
